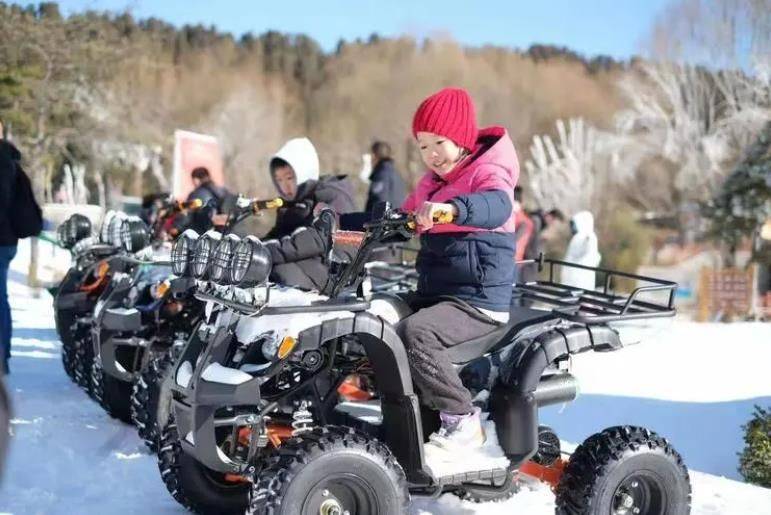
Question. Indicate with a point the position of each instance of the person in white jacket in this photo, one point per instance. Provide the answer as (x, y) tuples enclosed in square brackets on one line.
[(582, 250)]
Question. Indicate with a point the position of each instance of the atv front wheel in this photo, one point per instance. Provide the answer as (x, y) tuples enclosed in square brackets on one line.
[(194, 486), (330, 470), (151, 399), (68, 359), (112, 394), (624, 471), (84, 358)]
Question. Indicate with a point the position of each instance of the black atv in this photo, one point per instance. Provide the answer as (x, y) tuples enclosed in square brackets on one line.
[(297, 403), (94, 263)]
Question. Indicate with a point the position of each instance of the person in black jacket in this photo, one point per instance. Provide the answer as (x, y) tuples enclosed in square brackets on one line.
[(215, 199), (298, 248), (9, 157), (385, 182)]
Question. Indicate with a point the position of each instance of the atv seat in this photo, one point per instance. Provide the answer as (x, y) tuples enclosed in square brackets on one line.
[(520, 320)]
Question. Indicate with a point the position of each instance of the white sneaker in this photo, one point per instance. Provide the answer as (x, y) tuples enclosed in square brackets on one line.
[(459, 434)]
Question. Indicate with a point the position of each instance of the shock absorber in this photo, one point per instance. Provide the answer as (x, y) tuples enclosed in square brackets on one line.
[(302, 419)]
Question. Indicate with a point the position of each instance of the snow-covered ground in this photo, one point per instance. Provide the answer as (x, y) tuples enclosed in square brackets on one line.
[(694, 383)]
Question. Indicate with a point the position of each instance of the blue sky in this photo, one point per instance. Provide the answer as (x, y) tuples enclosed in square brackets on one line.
[(591, 27)]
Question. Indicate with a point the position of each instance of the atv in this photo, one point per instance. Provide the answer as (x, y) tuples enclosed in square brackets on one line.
[(291, 402), (76, 296)]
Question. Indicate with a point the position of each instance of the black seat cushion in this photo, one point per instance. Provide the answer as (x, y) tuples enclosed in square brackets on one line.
[(520, 319)]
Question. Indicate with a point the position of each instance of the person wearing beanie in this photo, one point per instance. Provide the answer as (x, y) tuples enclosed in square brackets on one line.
[(466, 267), (297, 248)]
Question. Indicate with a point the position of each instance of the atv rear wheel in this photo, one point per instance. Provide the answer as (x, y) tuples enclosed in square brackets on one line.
[(193, 485), (151, 399), (330, 470), (112, 394), (624, 471)]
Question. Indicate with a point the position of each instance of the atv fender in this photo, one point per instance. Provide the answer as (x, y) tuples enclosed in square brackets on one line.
[(402, 427), (513, 401)]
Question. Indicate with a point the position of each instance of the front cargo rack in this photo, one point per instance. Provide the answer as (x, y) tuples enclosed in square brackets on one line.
[(597, 306)]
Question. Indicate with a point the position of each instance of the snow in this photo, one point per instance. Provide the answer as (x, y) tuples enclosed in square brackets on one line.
[(216, 373), (695, 384)]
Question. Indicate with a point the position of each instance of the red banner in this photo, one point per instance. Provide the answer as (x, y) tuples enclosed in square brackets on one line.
[(192, 150)]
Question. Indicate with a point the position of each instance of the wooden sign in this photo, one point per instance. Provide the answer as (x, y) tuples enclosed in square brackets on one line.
[(725, 293)]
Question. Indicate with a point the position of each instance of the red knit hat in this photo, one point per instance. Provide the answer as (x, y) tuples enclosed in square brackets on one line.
[(449, 113)]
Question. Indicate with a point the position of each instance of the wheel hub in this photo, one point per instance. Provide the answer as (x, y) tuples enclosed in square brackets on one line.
[(330, 505)]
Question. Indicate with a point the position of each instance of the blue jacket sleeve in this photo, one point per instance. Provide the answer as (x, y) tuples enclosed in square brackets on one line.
[(486, 209)]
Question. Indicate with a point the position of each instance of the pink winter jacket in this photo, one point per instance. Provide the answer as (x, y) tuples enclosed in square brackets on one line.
[(493, 165)]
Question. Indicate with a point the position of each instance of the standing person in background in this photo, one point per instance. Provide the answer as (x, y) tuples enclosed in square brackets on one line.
[(385, 182), (524, 225), (20, 217), (555, 234), (582, 250)]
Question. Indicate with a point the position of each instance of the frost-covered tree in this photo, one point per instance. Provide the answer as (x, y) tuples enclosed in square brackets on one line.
[(570, 171), (696, 121)]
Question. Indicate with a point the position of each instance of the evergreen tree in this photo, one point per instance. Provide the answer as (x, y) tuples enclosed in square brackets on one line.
[(743, 204)]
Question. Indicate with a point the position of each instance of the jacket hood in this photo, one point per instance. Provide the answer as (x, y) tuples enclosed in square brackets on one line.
[(583, 221), (301, 156), (494, 146)]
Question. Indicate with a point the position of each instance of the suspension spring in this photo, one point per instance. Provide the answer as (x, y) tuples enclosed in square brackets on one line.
[(302, 419)]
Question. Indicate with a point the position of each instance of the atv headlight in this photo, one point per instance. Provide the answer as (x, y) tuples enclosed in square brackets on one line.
[(204, 248), (114, 230), (63, 234), (219, 271), (104, 233), (78, 227), (182, 253), (251, 264), (134, 234)]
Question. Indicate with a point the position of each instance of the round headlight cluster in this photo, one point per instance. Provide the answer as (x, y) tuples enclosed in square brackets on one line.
[(182, 253), (134, 234), (204, 249), (225, 260), (73, 230)]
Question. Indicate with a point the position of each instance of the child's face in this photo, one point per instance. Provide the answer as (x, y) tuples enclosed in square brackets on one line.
[(439, 153), (285, 181)]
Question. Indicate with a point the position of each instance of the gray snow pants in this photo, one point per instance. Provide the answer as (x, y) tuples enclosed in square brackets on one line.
[(427, 334)]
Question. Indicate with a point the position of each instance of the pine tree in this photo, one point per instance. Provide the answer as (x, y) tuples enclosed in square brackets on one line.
[(743, 204), (755, 460)]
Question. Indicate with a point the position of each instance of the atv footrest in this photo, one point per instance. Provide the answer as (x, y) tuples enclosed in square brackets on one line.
[(476, 475)]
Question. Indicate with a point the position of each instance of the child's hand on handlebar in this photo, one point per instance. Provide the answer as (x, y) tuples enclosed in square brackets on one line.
[(432, 213)]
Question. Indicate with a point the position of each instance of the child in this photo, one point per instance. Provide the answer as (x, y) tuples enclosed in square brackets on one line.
[(466, 268), (296, 247)]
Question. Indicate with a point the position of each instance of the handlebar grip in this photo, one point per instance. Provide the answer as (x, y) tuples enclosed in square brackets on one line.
[(443, 217), (260, 205), (192, 204)]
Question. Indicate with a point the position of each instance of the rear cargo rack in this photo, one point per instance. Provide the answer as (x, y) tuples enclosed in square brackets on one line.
[(596, 306)]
